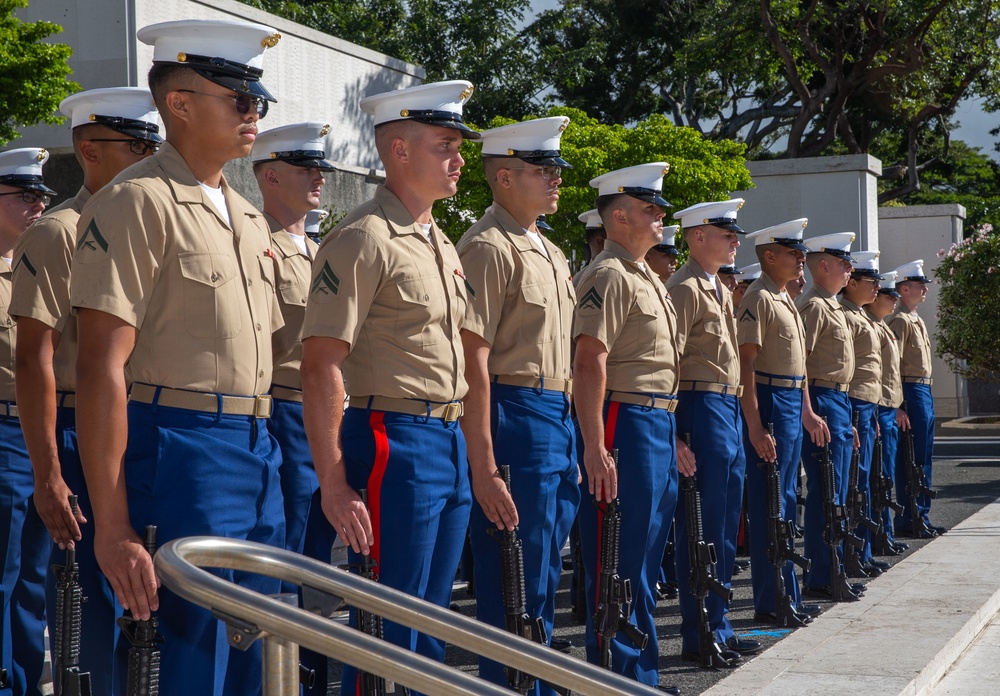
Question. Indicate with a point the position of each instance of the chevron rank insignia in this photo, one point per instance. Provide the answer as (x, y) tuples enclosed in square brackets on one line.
[(25, 262), (326, 283), (92, 239), (747, 315), (591, 300)]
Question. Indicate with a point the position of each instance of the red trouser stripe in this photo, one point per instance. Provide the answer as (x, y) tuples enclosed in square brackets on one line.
[(376, 420), (375, 483), (609, 441)]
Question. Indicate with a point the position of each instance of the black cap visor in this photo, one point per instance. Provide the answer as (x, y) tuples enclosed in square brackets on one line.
[(791, 243), (724, 223), (133, 128), (541, 224), (26, 182), (730, 270), (646, 194), (307, 159), (231, 75), (916, 279), (669, 249), (444, 119), (891, 292), (836, 252), (540, 157)]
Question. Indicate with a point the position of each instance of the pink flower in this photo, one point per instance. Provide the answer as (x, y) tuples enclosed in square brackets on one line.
[(940, 252)]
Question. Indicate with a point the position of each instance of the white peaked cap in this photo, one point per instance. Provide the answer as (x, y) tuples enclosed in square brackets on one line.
[(643, 181), (837, 244), (592, 219), (787, 234), (436, 104), (913, 270), (535, 141), (302, 144), (128, 110), (715, 213)]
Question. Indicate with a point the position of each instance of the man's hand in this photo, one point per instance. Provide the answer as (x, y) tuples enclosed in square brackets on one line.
[(347, 513), (817, 428), (52, 502), (857, 438), (129, 568), (495, 500), (686, 464), (763, 443), (602, 476), (902, 420)]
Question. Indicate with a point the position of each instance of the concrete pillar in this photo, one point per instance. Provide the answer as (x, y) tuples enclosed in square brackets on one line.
[(837, 194), (919, 232)]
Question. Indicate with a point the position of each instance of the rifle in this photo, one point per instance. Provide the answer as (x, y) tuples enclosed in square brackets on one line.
[(916, 484), (144, 655), (69, 680), (516, 618), (856, 511), (881, 492), (835, 529), (614, 593), (781, 545), (703, 580), (371, 684)]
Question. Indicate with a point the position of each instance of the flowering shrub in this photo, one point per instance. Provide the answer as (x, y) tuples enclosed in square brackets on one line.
[(968, 333)]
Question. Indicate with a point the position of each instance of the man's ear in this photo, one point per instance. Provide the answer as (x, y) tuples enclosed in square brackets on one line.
[(176, 104), (88, 151)]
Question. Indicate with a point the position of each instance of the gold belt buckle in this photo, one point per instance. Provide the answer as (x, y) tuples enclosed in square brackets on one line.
[(262, 406), (569, 386), (453, 411)]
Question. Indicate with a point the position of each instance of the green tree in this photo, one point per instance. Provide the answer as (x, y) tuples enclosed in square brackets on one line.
[(476, 40), (700, 170), (968, 333), (812, 75), (32, 73)]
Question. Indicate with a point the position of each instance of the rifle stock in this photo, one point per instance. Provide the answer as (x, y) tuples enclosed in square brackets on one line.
[(614, 593), (516, 618), (835, 530), (916, 484), (144, 653), (69, 680)]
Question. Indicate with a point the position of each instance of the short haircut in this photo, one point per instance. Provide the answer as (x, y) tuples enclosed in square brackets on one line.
[(607, 203), (164, 77), (385, 133)]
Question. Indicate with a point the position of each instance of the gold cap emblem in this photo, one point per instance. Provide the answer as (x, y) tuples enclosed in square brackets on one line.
[(93, 117), (326, 129), (510, 152), (666, 168), (42, 154), (323, 216), (271, 41), (182, 57), (621, 189), (274, 155), (404, 113), (562, 127), (739, 205), (466, 93)]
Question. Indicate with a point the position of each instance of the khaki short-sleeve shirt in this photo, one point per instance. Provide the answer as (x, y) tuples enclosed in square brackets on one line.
[(866, 385), (767, 318), (153, 251), (892, 381), (7, 335), (706, 327), (398, 300), (829, 341), (915, 342), (523, 300), (292, 273), (41, 281), (626, 308)]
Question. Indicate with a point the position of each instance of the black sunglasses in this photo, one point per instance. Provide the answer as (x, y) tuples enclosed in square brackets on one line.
[(243, 102), (138, 147)]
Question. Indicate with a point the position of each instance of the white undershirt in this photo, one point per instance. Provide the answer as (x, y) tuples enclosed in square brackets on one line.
[(218, 199), (9, 261), (300, 242), (426, 228), (714, 280), (537, 241)]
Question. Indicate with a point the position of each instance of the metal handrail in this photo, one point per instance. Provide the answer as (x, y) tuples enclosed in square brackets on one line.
[(179, 566)]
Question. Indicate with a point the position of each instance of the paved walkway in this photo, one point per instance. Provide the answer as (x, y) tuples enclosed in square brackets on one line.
[(912, 626)]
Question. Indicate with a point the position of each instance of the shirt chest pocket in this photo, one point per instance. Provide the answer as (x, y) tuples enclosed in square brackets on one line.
[(536, 326), (294, 294), (419, 311), (213, 299), (644, 323)]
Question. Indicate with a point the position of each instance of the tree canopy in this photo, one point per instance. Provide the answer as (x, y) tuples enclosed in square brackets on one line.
[(700, 170), (32, 72), (968, 333)]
